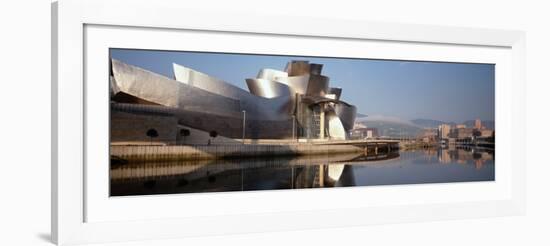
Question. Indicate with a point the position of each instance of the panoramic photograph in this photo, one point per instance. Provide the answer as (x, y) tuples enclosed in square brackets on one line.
[(196, 122)]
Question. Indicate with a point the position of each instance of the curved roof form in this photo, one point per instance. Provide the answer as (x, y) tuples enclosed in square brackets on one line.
[(273, 108), (270, 74), (267, 88), (203, 81), (347, 114), (297, 68), (337, 92), (298, 84)]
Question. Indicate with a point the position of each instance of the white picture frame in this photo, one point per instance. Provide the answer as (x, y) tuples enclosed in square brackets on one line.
[(79, 216)]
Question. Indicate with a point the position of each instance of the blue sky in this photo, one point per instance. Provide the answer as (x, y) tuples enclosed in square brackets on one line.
[(404, 89)]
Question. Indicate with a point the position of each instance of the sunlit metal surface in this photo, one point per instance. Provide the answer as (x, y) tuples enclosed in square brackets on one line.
[(336, 91), (298, 84), (206, 103), (267, 88), (297, 68), (113, 87), (346, 113), (272, 108), (208, 83), (336, 128), (159, 89), (167, 92), (318, 85), (271, 74), (310, 85)]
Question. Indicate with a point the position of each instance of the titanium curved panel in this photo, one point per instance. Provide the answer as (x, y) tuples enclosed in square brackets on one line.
[(298, 84), (276, 108), (158, 89), (336, 91), (208, 104), (315, 68), (347, 114), (203, 81), (336, 129), (297, 68), (113, 89), (318, 85), (144, 84), (267, 88), (270, 74), (193, 98)]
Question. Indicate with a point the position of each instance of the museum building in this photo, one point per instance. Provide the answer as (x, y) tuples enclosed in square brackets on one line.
[(191, 107)]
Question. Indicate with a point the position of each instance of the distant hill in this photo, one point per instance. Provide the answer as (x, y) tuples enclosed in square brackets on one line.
[(391, 126), (427, 123), (392, 129), (396, 127)]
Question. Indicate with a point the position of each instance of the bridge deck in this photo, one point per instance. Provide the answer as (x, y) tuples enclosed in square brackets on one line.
[(356, 142)]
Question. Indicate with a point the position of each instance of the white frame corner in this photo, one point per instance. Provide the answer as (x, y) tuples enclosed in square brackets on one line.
[(69, 18)]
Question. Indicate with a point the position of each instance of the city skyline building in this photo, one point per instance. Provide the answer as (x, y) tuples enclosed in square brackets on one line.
[(444, 130), (477, 124), (460, 126)]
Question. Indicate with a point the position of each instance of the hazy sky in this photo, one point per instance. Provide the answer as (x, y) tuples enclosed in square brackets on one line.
[(404, 89)]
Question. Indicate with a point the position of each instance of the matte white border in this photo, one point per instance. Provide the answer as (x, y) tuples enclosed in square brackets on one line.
[(99, 207), (68, 179)]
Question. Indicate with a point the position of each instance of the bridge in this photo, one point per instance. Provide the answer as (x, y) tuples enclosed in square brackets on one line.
[(369, 145)]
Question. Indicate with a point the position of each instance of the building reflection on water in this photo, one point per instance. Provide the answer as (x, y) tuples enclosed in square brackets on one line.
[(464, 154), (301, 172)]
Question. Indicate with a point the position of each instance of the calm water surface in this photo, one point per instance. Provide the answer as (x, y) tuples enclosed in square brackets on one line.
[(403, 167)]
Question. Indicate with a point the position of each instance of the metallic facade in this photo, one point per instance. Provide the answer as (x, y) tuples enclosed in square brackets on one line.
[(295, 103)]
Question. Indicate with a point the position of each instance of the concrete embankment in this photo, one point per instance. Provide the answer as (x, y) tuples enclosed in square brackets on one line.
[(173, 153)]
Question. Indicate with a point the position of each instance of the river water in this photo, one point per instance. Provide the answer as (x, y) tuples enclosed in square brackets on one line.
[(401, 167)]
